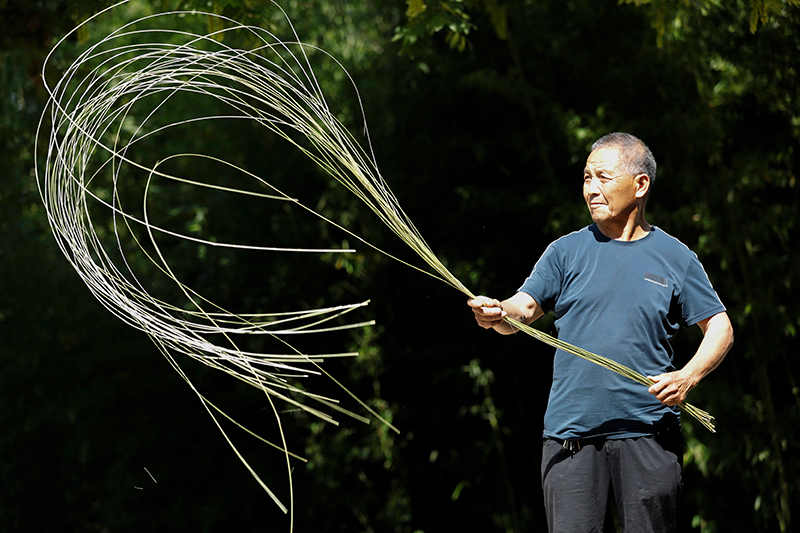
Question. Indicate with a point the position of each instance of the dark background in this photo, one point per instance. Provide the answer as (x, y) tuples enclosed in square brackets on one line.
[(481, 114)]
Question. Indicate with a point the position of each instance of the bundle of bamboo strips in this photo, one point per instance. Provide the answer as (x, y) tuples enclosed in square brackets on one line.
[(272, 84)]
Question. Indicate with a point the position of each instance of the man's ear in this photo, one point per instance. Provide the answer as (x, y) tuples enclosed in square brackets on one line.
[(642, 185)]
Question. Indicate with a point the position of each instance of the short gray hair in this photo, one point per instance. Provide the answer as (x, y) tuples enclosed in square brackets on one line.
[(635, 156)]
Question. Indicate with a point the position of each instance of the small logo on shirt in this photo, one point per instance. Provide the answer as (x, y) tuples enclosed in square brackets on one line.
[(658, 280)]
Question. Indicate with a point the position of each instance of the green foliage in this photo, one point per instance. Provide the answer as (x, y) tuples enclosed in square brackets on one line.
[(425, 20), (671, 18), (764, 11), (484, 149)]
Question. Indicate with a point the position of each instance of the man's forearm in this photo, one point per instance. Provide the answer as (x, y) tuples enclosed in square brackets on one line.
[(517, 312), (717, 341), (671, 388)]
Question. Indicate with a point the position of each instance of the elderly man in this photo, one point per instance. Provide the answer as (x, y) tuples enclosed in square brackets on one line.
[(620, 288)]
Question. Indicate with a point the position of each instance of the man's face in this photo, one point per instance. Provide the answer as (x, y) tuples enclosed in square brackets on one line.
[(609, 191)]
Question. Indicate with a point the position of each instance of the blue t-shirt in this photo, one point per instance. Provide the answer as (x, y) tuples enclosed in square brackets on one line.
[(623, 300)]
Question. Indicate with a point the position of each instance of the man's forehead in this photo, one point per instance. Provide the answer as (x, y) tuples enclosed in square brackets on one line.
[(605, 157)]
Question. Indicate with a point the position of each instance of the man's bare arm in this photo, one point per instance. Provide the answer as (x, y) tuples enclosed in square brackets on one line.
[(671, 388), (489, 313)]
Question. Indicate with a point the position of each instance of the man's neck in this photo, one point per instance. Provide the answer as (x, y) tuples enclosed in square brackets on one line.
[(632, 229)]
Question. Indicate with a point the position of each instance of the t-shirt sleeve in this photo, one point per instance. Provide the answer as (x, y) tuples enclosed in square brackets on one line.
[(698, 299), (544, 282)]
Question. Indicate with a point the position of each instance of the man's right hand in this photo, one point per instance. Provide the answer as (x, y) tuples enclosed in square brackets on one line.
[(488, 311)]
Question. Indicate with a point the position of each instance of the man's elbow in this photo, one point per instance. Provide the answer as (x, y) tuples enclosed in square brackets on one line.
[(730, 337), (726, 331)]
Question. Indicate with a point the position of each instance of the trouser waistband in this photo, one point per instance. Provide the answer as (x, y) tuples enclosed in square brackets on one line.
[(573, 445)]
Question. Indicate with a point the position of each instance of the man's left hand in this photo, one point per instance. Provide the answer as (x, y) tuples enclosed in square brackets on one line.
[(670, 388)]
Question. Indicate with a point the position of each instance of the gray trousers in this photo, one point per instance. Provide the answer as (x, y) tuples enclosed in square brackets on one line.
[(643, 474)]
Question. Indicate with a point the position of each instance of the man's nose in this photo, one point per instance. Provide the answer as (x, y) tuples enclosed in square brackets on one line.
[(594, 187)]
